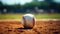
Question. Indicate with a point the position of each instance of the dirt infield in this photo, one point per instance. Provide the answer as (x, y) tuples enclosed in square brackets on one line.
[(42, 26)]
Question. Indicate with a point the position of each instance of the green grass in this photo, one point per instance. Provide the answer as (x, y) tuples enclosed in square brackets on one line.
[(38, 16), (46, 16)]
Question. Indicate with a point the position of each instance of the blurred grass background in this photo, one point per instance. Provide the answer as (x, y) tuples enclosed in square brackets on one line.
[(38, 16)]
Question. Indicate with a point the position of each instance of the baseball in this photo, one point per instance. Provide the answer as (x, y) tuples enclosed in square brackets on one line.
[(28, 20)]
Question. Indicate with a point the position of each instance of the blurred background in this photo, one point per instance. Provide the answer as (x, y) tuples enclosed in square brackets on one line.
[(40, 8), (29, 6)]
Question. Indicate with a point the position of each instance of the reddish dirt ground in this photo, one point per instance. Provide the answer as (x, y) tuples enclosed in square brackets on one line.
[(42, 26)]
